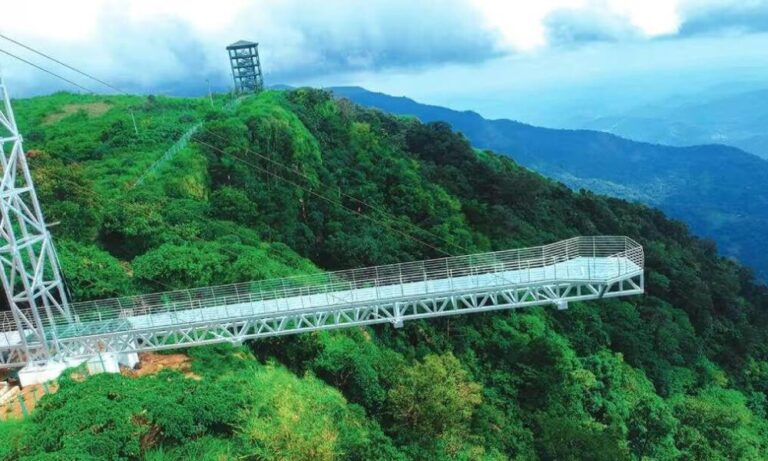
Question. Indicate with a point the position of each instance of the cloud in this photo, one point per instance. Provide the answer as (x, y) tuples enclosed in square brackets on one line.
[(175, 45), (530, 26), (713, 17), (350, 34), (582, 26)]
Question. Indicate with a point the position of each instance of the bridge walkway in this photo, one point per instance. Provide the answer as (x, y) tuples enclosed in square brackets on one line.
[(581, 268)]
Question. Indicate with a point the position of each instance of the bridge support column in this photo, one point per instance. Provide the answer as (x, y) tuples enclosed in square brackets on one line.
[(398, 321), (43, 372), (106, 362), (110, 362), (128, 359), (561, 304)]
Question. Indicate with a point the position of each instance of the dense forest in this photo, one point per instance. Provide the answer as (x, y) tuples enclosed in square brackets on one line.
[(680, 373), (716, 189)]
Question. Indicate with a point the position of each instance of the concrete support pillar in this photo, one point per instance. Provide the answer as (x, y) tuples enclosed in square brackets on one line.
[(398, 321), (128, 359), (105, 362), (48, 371)]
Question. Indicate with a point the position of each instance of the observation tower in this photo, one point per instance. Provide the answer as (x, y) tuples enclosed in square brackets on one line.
[(246, 67)]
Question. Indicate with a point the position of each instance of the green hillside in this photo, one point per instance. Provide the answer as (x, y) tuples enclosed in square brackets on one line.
[(678, 374), (717, 190)]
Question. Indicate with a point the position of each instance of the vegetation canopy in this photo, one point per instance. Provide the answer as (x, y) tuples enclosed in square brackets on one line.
[(680, 373)]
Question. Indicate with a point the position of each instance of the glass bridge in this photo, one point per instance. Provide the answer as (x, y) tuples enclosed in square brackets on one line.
[(577, 269)]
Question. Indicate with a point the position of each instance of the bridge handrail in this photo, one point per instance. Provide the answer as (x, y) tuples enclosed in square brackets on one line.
[(618, 248)]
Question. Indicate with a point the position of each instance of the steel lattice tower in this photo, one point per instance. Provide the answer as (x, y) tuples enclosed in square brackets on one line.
[(30, 271), (246, 67)]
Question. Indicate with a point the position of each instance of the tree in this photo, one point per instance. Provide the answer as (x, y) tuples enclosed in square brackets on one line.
[(92, 273), (562, 438), (288, 418), (67, 197), (717, 425), (433, 397), (132, 226), (182, 266), (233, 204), (109, 416), (356, 365)]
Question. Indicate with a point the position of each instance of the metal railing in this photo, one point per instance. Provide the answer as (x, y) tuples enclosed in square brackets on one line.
[(578, 258), (180, 144)]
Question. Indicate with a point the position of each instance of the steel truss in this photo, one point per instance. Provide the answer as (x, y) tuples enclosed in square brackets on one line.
[(577, 269), (237, 330), (29, 269)]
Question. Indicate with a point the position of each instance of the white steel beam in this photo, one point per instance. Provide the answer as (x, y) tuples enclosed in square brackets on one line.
[(29, 268), (236, 322)]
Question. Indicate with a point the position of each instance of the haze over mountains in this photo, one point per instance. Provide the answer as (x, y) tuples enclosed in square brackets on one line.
[(719, 191), (738, 119)]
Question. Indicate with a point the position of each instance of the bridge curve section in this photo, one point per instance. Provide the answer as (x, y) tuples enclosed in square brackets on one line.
[(576, 269)]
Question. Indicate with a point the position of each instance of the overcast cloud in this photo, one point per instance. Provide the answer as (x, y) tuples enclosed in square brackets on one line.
[(436, 50), (727, 17), (146, 46)]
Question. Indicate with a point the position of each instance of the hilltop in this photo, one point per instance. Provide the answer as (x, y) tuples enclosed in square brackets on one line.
[(680, 373), (717, 190)]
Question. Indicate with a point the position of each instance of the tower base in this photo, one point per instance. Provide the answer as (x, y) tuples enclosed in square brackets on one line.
[(48, 371), (106, 362)]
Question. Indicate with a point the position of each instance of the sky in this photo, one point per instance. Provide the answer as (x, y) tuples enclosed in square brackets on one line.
[(549, 62)]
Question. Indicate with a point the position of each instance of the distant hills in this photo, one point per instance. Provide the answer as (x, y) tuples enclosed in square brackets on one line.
[(738, 120), (719, 191)]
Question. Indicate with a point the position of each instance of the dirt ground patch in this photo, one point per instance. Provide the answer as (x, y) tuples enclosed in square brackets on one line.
[(93, 109), (152, 362), (29, 397)]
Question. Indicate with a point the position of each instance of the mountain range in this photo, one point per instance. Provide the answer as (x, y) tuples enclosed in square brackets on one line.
[(719, 191), (736, 119)]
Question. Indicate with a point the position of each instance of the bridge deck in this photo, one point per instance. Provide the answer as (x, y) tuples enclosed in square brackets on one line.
[(575, 269), (592, 269)]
